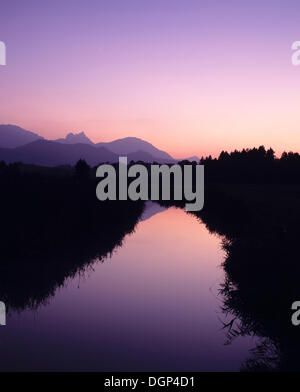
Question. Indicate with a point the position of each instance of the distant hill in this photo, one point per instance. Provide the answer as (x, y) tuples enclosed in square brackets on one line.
[(191, 159), (145, 157), (49, 153), (12, 136), (74, 138), (134, 148), (130, 145)]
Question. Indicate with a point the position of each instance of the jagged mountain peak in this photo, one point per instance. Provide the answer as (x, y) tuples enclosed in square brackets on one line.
[(74, 138)]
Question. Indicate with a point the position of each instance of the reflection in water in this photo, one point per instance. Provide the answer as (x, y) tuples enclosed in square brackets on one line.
[(152, 305), (260, 227), (150, 210), (53, 227)]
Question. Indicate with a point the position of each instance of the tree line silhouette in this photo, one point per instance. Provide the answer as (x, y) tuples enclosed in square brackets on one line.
[(256, 165)]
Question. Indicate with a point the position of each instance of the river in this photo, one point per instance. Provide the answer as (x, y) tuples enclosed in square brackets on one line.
[(153, 305)]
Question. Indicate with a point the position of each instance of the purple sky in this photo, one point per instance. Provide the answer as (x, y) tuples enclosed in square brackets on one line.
[(192, 77)]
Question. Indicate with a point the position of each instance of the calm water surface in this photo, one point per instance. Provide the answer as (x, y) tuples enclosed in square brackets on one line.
[(152, 305)]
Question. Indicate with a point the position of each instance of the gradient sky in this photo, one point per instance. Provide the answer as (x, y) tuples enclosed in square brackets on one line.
[(190, 76)]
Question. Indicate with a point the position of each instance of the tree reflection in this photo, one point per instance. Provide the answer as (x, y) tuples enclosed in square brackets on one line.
[(53, 227), (261, 244)]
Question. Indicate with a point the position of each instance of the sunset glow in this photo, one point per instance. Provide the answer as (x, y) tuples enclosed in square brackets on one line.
[(190, 77)]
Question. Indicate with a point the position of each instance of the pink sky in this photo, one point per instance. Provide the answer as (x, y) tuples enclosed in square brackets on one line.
[(193, 77)]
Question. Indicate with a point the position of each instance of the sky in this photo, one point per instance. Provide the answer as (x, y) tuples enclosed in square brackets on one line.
[(192, 77)]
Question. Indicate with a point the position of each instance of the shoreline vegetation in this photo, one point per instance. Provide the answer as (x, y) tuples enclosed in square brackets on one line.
[(252, 201), (53, 226)]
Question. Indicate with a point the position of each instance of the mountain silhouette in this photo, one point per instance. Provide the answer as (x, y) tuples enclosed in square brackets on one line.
[(20, 145), (135, 149), (74, 138), (49, 153), (145, 157), (12, 136), (129, 145), (193, 158)]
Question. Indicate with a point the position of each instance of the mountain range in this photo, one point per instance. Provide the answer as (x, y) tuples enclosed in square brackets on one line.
[(20, 145)]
